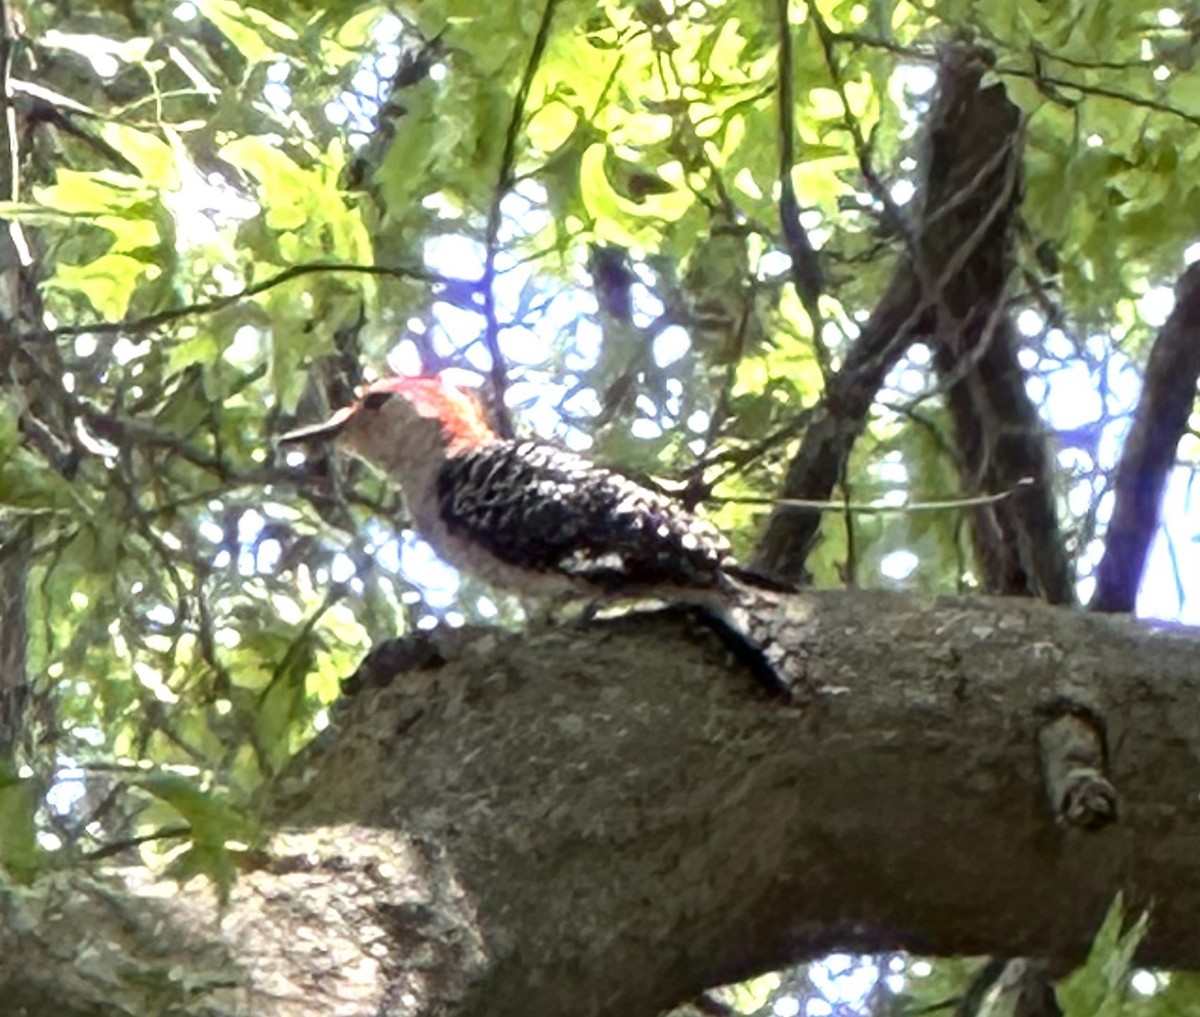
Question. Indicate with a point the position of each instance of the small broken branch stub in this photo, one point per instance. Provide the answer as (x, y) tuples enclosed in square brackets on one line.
[(1073, 768)]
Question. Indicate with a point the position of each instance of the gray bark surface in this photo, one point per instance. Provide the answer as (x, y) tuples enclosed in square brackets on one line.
[(605, 820)]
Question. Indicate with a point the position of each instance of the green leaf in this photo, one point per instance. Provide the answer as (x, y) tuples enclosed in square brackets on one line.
[(107, 283), (19, 853), (1099, 987), (93, 193), (249, 29), (153, 157), (604, 205), (216, 826), (283, 705), (284, 186)]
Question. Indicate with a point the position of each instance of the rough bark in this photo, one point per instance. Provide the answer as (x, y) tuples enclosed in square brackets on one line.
[(999, 439), (606, 820)]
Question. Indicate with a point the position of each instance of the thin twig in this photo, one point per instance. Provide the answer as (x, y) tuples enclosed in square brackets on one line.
[(925, 55), (1103, 91), (873, 508), (862, 147), (117, 846), (805, 268), (504, 182), (152, 321)]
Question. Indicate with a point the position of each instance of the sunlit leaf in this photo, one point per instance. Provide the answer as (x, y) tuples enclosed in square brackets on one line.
[(251, 30), (107, 283), (153, 157)]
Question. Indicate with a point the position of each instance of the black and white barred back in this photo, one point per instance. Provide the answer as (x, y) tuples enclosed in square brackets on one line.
[(544, 510)]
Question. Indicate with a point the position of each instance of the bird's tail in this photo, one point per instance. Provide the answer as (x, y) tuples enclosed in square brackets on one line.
[(754, 616)]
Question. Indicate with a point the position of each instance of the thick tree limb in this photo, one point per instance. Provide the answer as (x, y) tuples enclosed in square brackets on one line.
[(605, 821), (999, 437), (938, 262), (1168, 395), (1002, 445)]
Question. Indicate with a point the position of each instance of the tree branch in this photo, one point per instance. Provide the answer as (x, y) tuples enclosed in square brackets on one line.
[(806, 274), (502, 827), (676, 825), (945, 246), (998, 434), (1161, 419)]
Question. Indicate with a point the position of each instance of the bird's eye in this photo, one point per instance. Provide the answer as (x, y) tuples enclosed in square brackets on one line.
[(374, 400)]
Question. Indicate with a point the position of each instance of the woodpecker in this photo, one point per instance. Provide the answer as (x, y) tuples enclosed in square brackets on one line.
[(525, 516)]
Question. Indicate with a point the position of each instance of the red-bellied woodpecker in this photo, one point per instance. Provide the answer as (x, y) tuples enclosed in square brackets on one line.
[(524, 515), (548, 524)]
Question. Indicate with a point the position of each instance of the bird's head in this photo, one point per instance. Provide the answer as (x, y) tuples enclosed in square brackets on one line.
[(396, 423)]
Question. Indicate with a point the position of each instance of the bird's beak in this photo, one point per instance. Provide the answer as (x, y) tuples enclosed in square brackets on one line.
[(326, 431)]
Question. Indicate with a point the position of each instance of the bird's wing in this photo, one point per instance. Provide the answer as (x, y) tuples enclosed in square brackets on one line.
[(541, 508)]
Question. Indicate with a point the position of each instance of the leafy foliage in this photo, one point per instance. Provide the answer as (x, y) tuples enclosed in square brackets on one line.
[(1101, 985)]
